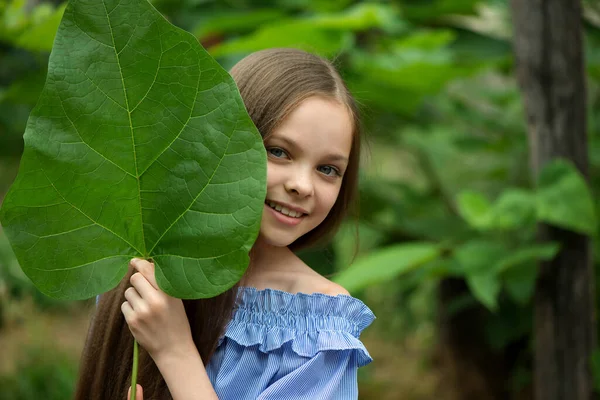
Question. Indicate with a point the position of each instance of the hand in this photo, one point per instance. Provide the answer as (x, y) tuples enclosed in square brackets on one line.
[(156, 320), (139, 393)]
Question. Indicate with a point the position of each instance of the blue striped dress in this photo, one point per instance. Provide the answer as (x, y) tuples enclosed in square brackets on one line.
[(283, 346)]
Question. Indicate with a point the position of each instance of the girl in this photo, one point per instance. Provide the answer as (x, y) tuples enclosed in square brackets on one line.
[(283, 332)]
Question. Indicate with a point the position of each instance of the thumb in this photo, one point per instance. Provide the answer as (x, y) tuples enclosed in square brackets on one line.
[(139, 393)]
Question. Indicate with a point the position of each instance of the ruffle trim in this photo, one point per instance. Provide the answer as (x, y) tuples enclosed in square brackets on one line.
[(311, 323)]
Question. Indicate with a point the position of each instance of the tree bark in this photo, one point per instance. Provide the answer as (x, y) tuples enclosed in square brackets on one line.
[(550, 69), (472, 369)]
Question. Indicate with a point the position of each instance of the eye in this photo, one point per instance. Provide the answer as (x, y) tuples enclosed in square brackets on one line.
[(276, 152), (330, 170)]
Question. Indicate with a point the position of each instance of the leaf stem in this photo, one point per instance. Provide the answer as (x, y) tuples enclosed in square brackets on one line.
[(134, 370)]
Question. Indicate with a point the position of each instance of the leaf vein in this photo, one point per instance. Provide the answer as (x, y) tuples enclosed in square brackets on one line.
[(46, 205), (196, 198), (208, 213), (182, 127), (128, 40), (81, 265), (112, 35), (103, 92), (88, 35), (84, 214), (196, 258), (87, 144), (153, 81), (65, 232)]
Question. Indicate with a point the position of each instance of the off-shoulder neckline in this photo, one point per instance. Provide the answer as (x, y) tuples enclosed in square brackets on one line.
[(273, 308), (290, 294), (311, 323)]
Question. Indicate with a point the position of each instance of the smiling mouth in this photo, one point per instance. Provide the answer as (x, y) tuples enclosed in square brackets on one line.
[(285, 211)]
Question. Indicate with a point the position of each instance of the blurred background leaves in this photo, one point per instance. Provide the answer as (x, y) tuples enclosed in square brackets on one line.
[(449, 205)]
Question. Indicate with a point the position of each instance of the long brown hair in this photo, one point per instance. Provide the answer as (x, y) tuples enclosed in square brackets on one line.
[(272, 83)]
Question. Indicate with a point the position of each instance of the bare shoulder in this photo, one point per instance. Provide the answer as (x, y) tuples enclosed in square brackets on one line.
[(333, 289), (309, 281), (295, 276)]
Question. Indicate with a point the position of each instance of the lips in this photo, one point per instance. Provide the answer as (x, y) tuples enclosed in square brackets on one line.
[(285, 209), (282, 218)]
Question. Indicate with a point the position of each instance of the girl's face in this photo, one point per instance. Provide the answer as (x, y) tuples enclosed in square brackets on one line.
[(307, 157)]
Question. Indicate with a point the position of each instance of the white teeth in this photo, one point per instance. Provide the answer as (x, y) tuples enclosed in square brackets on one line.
[(284, 210)]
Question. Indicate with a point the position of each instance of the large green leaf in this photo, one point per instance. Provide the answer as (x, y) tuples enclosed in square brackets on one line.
[(139, 145), (387, 263)]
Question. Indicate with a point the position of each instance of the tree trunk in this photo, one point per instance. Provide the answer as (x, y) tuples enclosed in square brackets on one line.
[(473, 370), (550, 68)]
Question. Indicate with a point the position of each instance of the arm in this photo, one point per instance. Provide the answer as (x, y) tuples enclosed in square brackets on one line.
[(160, 325), (185, 375)]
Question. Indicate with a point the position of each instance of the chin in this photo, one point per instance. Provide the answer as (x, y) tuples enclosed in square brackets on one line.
[(276, 240)]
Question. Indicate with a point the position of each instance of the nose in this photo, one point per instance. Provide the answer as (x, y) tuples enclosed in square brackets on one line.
[(300, 182)]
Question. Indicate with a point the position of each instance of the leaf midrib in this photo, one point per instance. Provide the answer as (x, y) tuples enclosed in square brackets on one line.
[(137, 176)]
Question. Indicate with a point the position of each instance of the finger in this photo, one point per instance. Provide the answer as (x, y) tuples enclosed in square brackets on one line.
[(145, 268), (139, 393), (134, 298), (143, 287), (127, 311)]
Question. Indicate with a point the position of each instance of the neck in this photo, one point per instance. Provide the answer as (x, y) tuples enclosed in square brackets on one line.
[(265, 257)]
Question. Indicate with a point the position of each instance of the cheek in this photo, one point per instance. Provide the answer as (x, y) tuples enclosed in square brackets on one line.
[(328, 197), (273, 174)]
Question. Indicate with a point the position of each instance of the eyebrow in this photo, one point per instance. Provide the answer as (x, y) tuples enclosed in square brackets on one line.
[(290, 142)]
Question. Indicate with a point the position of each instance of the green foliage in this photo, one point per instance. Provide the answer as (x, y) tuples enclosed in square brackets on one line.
[(565, 200), (355, 238), (595, 367), (233, 21), (32, 29), (290, 34), (562, 198), (387, 263), (325, 34), (41, 374), (135, 150), (514, 209)]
